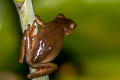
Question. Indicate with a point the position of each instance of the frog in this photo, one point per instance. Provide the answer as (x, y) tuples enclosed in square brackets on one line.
[(40, 49)]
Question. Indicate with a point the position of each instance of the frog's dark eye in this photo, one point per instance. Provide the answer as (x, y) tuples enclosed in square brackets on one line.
[(60, 15)]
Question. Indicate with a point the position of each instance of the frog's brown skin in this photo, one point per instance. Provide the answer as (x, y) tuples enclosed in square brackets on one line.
[(40, 49)]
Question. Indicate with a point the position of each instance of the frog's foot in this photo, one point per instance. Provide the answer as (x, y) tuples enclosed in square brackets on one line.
[(38, 20), (42, 69)]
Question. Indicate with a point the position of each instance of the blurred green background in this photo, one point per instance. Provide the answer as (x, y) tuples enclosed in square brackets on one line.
[(91, 52)]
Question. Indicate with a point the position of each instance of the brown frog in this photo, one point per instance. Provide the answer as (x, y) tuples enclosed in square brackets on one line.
[(40, 49)]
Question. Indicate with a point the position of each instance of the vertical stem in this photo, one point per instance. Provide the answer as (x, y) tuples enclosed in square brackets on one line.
[(26, 14)]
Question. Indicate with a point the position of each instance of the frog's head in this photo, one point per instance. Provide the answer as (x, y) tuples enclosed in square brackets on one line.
[(67, 24)]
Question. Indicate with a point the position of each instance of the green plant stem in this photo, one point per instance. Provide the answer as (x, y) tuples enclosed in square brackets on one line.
[(26, 13)]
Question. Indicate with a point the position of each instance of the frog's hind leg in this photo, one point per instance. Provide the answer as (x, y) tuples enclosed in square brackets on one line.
[(22, 49), (24, 44), (42, 69)]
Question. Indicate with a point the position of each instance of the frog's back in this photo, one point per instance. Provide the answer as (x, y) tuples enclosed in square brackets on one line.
[(48, 43)]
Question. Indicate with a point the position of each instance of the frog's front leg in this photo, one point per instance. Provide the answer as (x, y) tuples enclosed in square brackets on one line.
[(26, 42), (29, 44), (42, 69)]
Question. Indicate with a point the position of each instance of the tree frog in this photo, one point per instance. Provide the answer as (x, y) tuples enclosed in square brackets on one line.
[(40, 49)]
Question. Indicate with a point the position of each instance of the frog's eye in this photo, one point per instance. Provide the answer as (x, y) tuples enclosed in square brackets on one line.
[(60, 15), (72, 26)]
